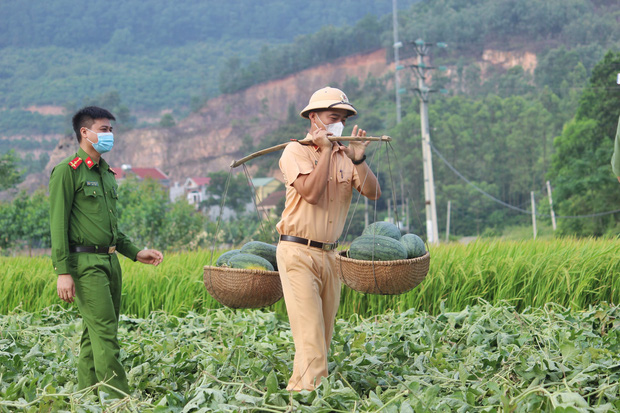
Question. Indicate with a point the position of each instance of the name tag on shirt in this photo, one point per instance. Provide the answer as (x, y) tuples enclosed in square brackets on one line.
[(92, 183)]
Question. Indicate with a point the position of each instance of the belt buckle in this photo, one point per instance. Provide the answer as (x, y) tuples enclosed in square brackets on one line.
[(329, 247), (112, 249)]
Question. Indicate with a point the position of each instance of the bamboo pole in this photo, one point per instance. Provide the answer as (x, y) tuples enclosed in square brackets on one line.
[(281, 146)]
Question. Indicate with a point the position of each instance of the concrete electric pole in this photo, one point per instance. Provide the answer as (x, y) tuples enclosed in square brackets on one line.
[(397, 66), (423, 92)]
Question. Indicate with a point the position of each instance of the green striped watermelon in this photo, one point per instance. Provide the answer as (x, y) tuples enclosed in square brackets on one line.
[(249, 262), (414, 245), (222, 260), (377, 248), (262, 249), (384, 228)]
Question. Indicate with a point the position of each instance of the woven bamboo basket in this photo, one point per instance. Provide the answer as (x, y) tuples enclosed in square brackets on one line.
[(241, 288), (382, 277)]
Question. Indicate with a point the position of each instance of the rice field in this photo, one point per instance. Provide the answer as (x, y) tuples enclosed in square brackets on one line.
[(572, 273)]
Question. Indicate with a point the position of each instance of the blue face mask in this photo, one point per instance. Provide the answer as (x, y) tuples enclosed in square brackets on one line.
[(105, 141)]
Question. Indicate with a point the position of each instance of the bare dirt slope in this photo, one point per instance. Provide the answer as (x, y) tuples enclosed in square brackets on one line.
[(212, 138)]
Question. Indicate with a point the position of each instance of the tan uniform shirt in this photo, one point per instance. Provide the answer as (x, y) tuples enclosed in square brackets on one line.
[(324, 221)]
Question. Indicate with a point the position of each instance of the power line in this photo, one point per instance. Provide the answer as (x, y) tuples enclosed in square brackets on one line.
[(499, 201)]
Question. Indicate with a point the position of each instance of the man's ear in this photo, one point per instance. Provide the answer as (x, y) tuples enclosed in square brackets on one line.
[(312, 117), (83, 133)]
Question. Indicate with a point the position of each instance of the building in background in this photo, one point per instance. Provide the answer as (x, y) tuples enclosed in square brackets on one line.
[(268, 207), (141, 174), (263, 187)]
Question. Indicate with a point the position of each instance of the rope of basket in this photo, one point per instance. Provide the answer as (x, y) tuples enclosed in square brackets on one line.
[(383, 277), (241, 288), (236, 287)]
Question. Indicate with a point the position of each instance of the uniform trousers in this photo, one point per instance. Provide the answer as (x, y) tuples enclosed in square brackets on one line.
[(311, 290), (98, 283)]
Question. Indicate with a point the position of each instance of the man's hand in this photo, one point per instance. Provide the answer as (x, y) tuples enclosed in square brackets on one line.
[(65, 287), (150, 257), (319, 138), (355, 150)]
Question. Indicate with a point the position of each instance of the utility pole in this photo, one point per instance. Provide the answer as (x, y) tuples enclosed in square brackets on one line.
[(551, 205), (423, 92), (533, 213), (397, 66), (448, 221)]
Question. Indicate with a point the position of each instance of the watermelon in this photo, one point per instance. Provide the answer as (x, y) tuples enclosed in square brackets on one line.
[(384, 228), (249, 262), (377, 248), (262, 249), (414, 245), (222, 260)]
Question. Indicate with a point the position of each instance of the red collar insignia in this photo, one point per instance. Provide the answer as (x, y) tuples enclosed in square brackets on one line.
[(89, 162), (76, 162)]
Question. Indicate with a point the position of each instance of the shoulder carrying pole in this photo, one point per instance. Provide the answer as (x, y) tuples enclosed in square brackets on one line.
[(281, 146)]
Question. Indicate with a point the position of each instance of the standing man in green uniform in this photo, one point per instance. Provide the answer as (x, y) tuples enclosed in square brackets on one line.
[(85, 238)]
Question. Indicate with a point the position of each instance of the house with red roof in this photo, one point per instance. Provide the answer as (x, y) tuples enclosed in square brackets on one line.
[(141, 173), (196, 189)]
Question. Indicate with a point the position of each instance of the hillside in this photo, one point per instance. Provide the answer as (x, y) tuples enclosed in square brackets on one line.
[(219, 133)]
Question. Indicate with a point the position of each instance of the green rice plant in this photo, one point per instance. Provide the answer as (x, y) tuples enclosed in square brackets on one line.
[(27, 283), (574, 273)]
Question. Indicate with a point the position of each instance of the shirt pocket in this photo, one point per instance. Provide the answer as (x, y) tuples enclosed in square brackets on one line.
[(344, 174), (92, 200), (114, 194)]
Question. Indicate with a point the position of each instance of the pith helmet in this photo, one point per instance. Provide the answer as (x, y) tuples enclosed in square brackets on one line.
[(328, 98)]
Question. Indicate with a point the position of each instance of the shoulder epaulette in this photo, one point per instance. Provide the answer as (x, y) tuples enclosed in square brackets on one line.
[(77, 161)]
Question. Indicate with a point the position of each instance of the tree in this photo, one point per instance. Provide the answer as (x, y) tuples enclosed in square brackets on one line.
[(10, 174), (581, 172), (237, 191), (24, 222), (182, 225), (149, 219), (167, 121)]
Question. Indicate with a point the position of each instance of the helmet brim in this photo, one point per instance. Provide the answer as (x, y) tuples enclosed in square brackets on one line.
[(326, 105)]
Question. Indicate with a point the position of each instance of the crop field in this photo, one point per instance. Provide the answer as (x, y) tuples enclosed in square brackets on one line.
[(484, 358), (494, 327)]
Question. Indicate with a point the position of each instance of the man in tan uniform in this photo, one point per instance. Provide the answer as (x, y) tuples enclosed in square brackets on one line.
[(319, 182)]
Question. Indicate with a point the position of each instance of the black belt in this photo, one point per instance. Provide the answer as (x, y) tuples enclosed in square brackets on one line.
[(316, 244), (95, 250)]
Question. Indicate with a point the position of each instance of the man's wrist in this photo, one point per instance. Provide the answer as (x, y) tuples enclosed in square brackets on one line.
[(360, 161)]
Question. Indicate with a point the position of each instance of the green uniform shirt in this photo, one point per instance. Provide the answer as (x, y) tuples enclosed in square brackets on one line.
[(83, 198), (615, 158)]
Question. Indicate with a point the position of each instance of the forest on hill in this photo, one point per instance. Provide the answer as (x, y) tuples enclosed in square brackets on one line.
[(498, 134), (159, 55), (156, 54)]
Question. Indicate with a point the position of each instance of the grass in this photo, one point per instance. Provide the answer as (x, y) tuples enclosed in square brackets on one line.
[(574, 273)]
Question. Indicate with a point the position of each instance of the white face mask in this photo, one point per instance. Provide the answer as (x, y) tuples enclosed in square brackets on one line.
[(334, 128)]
